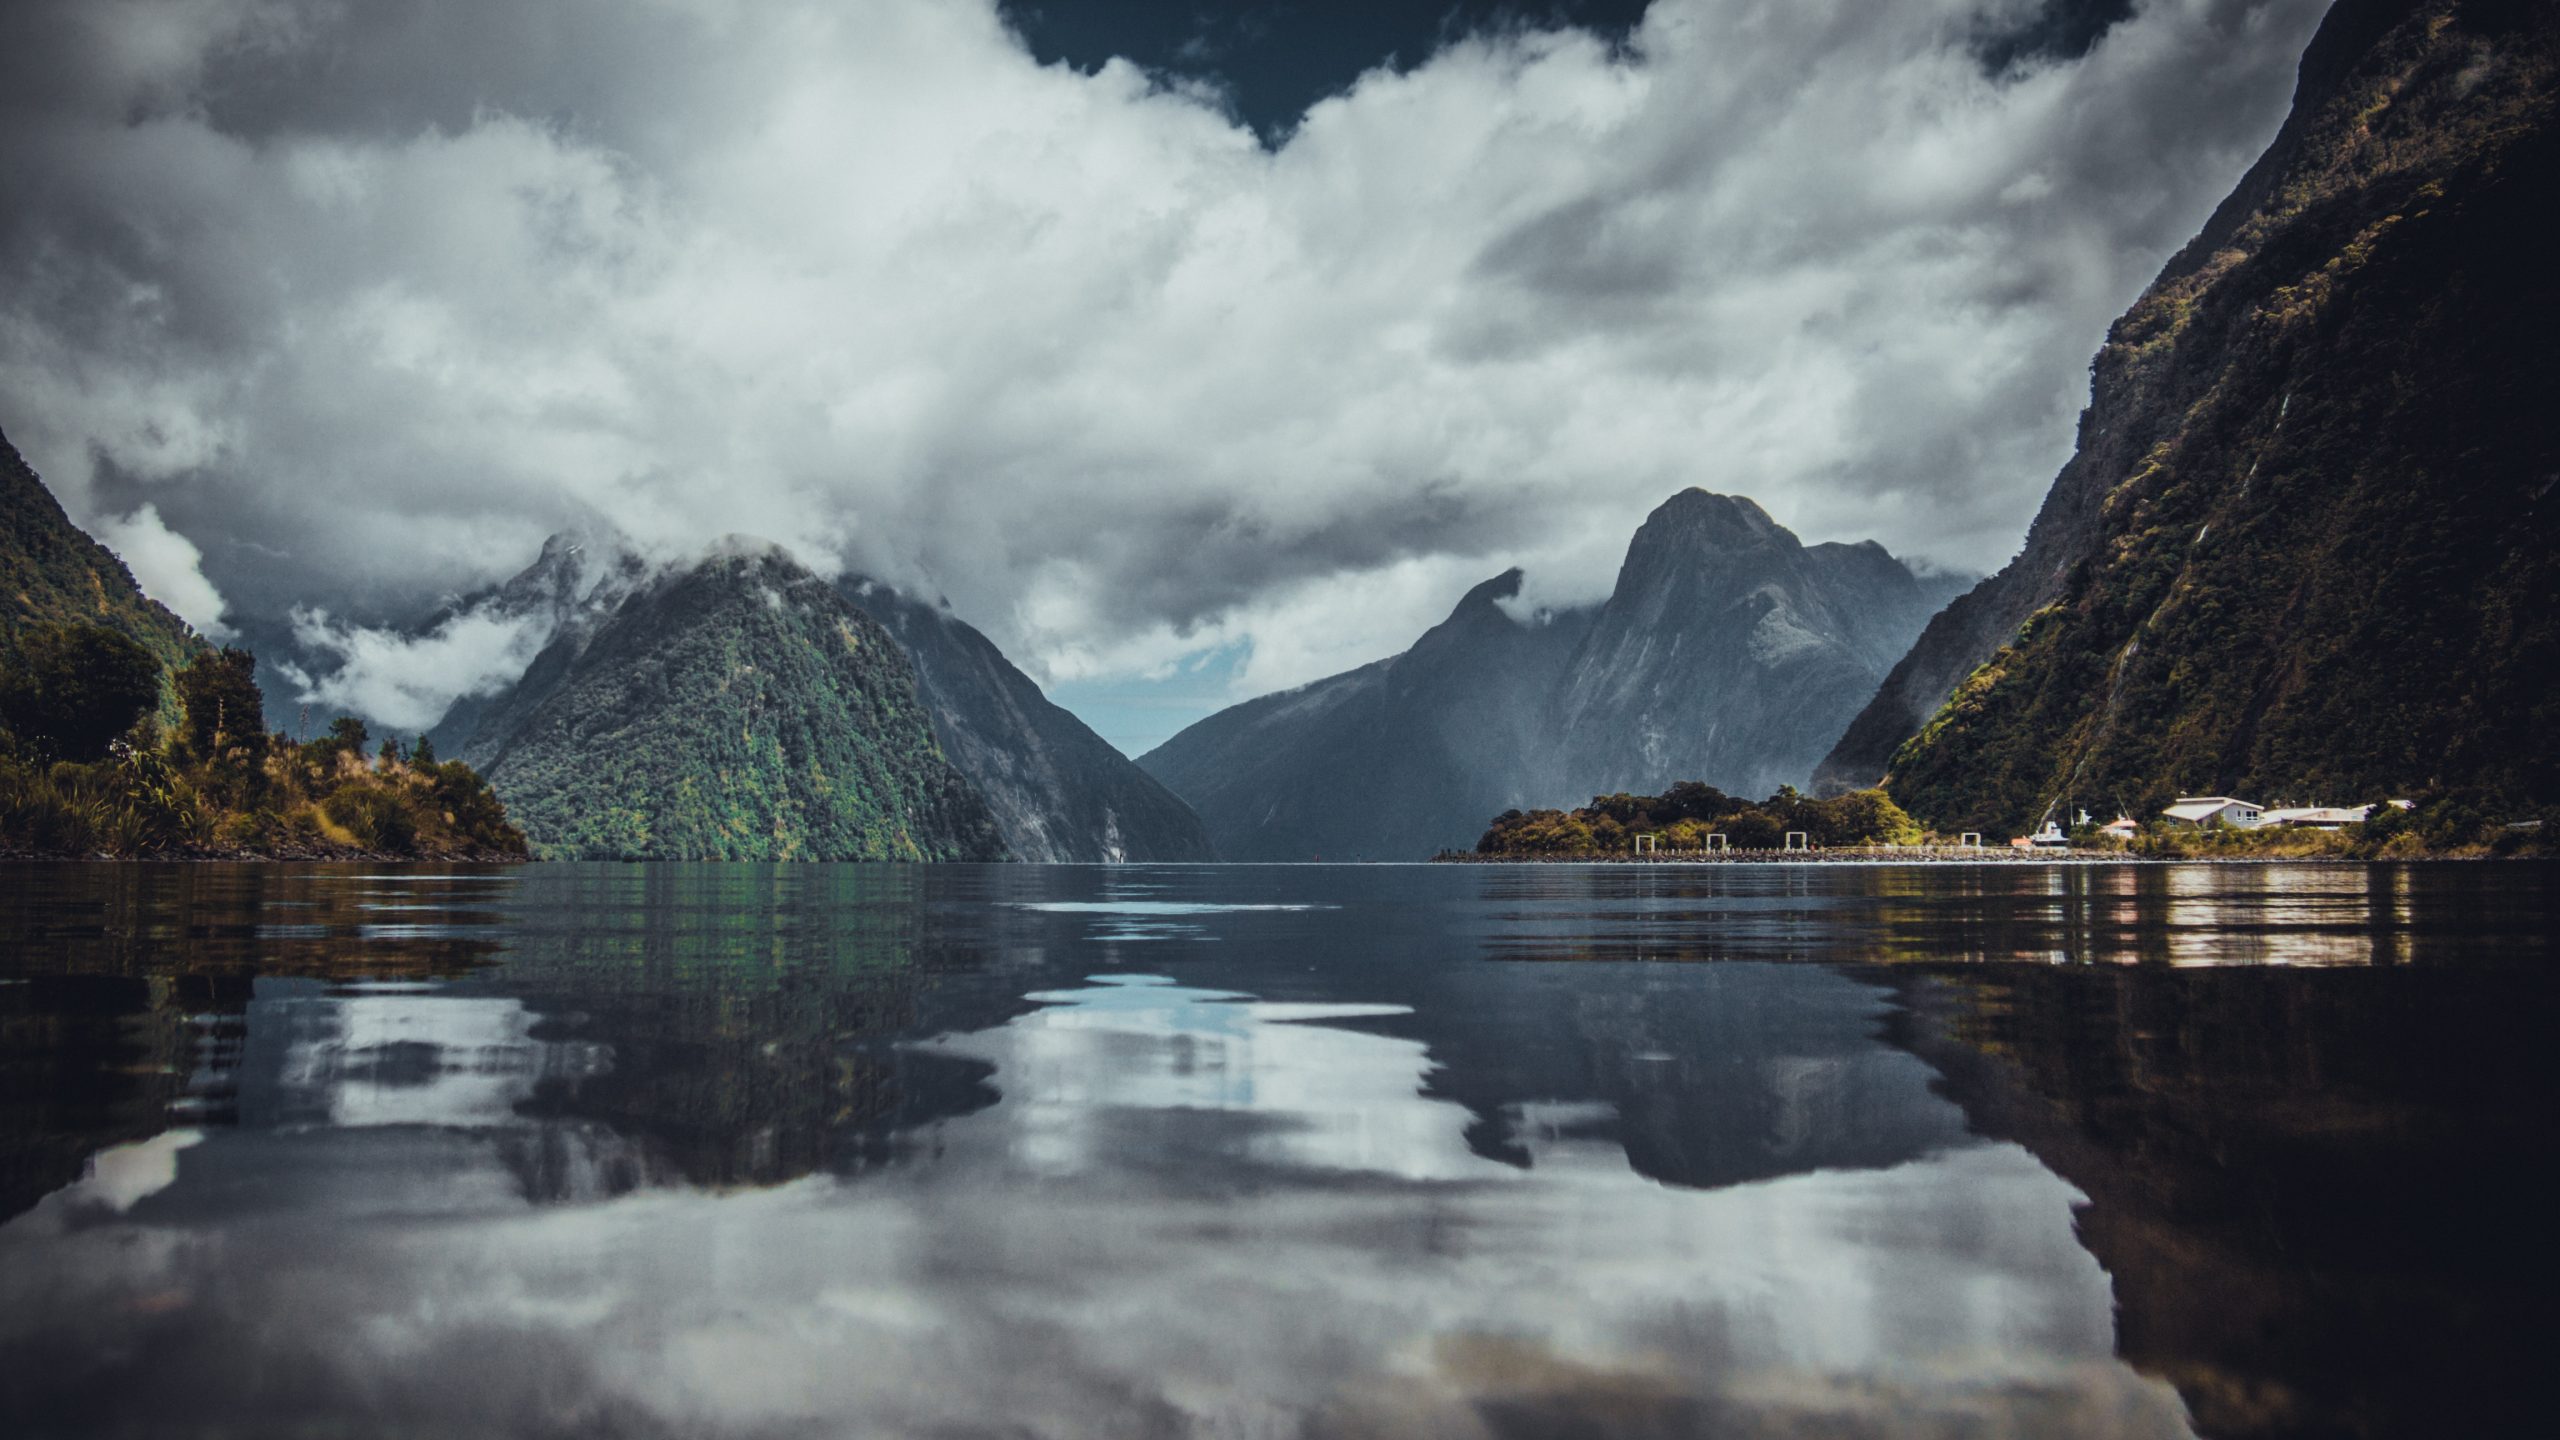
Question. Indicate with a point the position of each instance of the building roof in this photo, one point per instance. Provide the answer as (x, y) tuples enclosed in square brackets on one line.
[(2204, 807), (2317, 815)]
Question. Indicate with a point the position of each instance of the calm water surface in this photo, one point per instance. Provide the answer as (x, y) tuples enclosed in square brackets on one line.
[(1464, 1152)]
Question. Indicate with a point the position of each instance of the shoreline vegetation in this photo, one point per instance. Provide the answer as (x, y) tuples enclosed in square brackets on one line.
[(105, 753), (1697, 824)]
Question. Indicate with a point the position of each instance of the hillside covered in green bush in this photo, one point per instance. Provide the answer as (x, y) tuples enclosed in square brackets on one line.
[(53, 572), (1683, 818), (124, 734), (87, 768), (739, 710), (2326, 561)]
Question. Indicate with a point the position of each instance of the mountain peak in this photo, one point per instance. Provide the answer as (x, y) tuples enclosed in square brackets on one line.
[(1697, 517), (739, 709), (735, 546), (1488, 594), (1479, 613)]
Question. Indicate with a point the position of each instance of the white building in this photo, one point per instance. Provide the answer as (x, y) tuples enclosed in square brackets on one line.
[(2317, 817), (2204, 811)]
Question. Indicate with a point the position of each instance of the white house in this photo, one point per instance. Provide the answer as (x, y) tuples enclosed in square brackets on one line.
[(2120, 828), (2203, 811), (2317, 817)]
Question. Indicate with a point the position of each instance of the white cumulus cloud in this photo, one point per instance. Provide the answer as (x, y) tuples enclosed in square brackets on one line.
[(370, 298), (406, 681), (167, 565)]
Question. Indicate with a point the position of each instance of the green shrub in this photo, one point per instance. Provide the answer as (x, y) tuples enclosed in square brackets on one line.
[(1683, 816), (373, 815), (219, 784)]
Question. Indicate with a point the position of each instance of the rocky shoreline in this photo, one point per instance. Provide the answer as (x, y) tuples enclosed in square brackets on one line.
[(321, 853)]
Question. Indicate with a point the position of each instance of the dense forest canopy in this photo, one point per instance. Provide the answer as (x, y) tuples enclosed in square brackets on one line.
[(87, 767), (1686, 815), (739, 710)]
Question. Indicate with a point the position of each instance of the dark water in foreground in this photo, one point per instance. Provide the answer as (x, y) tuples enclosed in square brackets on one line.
[(1465, 1152)]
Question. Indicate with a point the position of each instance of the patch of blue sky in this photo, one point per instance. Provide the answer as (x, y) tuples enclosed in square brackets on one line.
[(1137, 713)]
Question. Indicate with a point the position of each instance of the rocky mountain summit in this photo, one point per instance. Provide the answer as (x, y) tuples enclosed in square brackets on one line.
[(1728, 652), (1391, 761)]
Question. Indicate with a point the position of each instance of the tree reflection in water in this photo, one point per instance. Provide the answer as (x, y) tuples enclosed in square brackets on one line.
[(2310, 1190)]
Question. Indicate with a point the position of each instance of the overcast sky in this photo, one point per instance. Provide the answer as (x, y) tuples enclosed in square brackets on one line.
[(1182, 387)]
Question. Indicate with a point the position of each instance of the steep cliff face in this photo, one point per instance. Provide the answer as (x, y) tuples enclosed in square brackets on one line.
[(2132, 389), (1392, 761), (740, 710), (1729, 652), (52, 571), (1060, 793), (2307, 544)]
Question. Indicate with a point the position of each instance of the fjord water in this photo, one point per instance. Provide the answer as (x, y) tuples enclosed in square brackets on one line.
[(1461, 1151)]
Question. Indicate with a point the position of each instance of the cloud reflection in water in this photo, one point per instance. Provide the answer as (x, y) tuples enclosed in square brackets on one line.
[(1194, 1212)]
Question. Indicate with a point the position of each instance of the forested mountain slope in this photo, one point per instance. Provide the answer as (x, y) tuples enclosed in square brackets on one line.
[(1059, 792), (738, 710), (2307, 547), (53, 571)]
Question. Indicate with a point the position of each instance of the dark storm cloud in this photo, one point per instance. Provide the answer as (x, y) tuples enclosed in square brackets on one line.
[(387, 69), (353, 303)]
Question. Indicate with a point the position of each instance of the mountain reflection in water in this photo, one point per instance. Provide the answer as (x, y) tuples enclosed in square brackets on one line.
[(879, 1151)]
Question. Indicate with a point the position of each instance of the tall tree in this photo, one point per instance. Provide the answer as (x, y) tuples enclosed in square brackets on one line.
[(218, 690), (70, 689)]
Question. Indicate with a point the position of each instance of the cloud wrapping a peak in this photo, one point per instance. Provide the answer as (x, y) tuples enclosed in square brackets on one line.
[(365, 300), (407, 681), (167, 565)]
